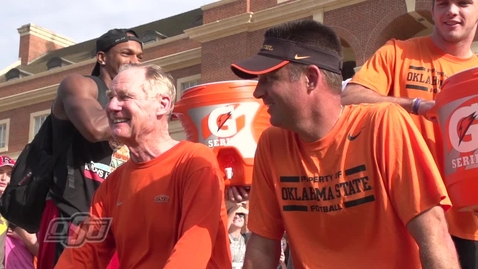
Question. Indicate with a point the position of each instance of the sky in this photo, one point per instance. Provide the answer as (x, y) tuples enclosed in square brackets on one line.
[(81, 20)]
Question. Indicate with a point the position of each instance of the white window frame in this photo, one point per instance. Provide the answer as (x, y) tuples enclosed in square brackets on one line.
[(33, 116), (7, 134), (180, 81)]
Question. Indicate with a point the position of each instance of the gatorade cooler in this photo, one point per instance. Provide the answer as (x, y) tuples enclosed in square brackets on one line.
[(227, 118), (456, 109)]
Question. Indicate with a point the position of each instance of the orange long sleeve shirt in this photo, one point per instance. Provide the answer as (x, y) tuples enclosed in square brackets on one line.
[(166, 213)]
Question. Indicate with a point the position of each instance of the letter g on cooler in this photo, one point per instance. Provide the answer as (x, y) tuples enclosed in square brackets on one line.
[(463, 129), (223, 122)]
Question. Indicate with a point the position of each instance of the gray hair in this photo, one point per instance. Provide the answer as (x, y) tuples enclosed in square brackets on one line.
[(157, 81)]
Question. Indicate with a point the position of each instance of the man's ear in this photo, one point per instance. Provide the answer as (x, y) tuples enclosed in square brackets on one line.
[(165, 105), (312, 77), (101, 58)]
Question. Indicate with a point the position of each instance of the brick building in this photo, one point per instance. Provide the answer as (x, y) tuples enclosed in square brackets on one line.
[(195, 47)]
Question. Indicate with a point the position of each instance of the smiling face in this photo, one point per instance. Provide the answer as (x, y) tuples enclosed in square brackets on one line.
[(283, 97), (455, 20), (124, 53), (132, 114), (238, 220)]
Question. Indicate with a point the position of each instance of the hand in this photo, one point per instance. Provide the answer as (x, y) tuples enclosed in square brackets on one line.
[(424, 108), (282, 257), (237, 194), (13, 234), (236, 206)]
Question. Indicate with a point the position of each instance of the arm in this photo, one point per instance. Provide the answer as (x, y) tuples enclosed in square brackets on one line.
[(30, 240), (414, 185), (262, 252), (282, 263), (430, 231), (202, 202), (78, 96), (265, 219), (91, 255), (356, 93)]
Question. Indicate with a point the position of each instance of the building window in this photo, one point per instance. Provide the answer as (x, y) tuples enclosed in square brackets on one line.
[(152, 36), (36, 121), (56, 62), (16, 73), (185, 83), (4, 134)]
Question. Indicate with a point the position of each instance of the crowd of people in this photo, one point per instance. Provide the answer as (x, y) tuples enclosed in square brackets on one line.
[(349, 175)]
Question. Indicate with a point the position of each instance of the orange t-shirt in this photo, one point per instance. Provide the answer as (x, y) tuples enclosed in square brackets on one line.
[(166, 213), (346, 199), (417, 68)]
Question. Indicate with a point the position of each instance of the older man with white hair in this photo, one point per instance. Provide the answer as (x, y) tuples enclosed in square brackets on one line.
[(165, 205)]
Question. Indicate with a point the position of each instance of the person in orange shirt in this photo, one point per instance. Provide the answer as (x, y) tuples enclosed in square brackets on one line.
[(345, 183), (411, 73), (164, 207)]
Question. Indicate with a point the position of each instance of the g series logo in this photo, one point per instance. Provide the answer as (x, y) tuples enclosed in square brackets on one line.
[(231, 125), (463, 129), (225, 122), (463, 136)]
